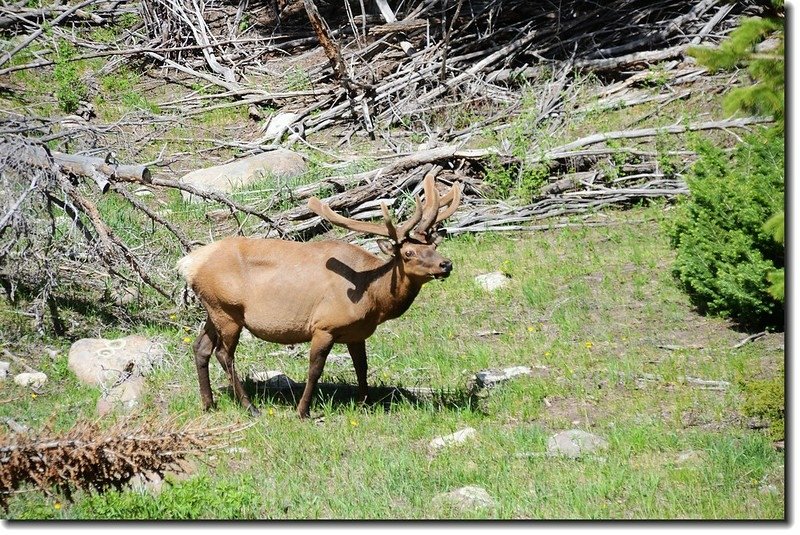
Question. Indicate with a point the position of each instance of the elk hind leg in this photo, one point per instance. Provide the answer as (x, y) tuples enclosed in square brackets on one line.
[(203, 346)]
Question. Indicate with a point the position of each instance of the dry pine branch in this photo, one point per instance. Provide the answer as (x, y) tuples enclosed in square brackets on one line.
[(93, 459)]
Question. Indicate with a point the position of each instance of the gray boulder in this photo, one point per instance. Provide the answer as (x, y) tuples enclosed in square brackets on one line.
[(279, 164), (117, 367)]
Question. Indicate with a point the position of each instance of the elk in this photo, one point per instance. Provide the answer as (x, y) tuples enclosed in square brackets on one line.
[(323, 292)]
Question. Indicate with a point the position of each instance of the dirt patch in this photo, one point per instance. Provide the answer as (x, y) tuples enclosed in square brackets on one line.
[(570, 412)]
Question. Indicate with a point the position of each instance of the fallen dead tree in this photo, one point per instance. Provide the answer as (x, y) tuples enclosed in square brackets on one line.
[(580, 181), (90, 458), (56, 242), (49, 228)]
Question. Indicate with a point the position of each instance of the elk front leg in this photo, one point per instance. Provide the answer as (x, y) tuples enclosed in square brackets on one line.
[(358, 352), (321, 344), (203, 347)]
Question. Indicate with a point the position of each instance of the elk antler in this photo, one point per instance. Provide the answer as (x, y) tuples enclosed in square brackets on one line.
[(418, 227), (386, 229), (431, 209), (436, 208), (450, 202)]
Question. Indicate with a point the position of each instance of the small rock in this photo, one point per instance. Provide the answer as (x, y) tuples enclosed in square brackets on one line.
[(143, 192), (152, 483), (15, 426), (273, 378), (689, 457), (457, 437), (492, 281), (338, 359), (490, 378), (4, 369), (574, 443), (31, 379), (124, 296), (246, 335), (464, 498), (147, 483), (769, 489)]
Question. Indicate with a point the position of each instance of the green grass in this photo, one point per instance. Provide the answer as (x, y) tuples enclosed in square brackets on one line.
[(587, 307)]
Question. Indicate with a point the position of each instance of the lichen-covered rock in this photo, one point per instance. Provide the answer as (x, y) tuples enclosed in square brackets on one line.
[(31, 379), (102, 362), (574, 443), (465, 498), (459, 436), (116, 366), (492, 281)]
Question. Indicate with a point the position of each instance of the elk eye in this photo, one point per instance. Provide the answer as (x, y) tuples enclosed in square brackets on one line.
[(409, 254)]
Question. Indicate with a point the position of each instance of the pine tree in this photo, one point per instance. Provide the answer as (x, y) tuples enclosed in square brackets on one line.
[(757, 45)]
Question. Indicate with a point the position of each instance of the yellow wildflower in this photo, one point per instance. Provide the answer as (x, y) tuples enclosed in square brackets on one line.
[(353, 423)]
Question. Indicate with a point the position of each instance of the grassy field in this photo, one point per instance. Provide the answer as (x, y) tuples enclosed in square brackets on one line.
[(593, 310)]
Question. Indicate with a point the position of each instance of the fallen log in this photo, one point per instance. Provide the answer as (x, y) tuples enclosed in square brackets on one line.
[(100, 170)]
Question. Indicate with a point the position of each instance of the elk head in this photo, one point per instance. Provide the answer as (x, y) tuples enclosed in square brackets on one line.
[(413, 243)]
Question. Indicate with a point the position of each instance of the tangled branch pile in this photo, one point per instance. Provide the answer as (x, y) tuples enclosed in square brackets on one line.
[(93, 459)]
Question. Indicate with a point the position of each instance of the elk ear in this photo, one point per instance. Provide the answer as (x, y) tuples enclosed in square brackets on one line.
[(386, 247)]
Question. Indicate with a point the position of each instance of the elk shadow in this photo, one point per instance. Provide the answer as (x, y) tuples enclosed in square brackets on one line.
[(284, 391), (359, 279)]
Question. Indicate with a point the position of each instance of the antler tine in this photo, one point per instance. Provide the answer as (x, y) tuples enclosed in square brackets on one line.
[(406, 227), (453, 199), (325, 212), (431, 208), (389, 225)]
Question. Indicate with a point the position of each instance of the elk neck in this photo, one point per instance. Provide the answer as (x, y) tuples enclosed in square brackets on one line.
[(394, 291)]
